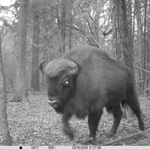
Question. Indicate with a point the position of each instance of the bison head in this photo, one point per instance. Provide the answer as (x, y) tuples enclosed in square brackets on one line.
[(61, 76)]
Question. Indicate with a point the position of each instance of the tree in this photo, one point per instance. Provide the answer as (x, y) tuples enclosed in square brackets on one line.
[(66, 23), (3, 107), (123, 41), (122, 29), (127, 41), (35, 46), (70, 20), (142, 10), (139, 40), (145, 54), (20, 87), (63, 25)]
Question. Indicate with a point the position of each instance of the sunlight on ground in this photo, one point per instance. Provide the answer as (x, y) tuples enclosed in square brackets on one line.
[(6, 2)]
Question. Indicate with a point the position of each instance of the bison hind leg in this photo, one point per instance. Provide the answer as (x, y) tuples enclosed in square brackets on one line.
[(133, 103), (117, 114)]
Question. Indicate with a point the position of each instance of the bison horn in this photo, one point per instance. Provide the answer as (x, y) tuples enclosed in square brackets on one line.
[(41, 67), (75, 69)]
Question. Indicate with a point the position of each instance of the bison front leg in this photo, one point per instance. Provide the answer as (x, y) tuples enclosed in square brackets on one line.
[(66, 127), (93, 121)]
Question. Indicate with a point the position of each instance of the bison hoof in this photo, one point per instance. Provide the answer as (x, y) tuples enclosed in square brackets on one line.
[(110, 133), (142, 126), (90, 140), (69, 133)]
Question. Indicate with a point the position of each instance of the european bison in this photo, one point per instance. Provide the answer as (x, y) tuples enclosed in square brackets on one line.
[(84, 81)]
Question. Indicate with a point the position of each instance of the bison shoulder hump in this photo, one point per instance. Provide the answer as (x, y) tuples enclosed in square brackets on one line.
[(80, 54)]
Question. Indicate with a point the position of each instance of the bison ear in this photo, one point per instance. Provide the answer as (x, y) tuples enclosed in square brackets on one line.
[(76, 69), (41, 67)]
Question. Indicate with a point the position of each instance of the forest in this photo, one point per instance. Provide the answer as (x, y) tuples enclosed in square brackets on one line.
[(36, 31)]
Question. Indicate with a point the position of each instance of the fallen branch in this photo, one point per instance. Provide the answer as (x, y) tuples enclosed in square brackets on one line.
[(143, 133)]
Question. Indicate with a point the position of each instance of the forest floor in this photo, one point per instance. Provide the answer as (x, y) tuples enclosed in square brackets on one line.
[(36, 123)]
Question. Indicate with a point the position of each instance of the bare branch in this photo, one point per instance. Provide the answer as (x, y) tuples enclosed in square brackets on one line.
[(142, 69)]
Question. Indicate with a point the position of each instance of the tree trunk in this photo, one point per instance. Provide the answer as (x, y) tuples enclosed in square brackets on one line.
[(20, 87), (127, 41), (126, 38), (35, 83), (124, 34), (144, 50), (139, 41), (3, 107), (117, 33), (127, 45), (70, 34), (45, 58), (70, 16), (63, 25)]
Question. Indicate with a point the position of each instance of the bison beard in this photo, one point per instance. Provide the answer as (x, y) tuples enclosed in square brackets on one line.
[(84, 81)]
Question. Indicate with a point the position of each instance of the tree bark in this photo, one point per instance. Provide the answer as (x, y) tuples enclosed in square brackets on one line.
[(20, 87), (35, 83), (144, 50), (126, 39), (3, 107), (63, 25), (139, 40), (70, 16), (117, 33)]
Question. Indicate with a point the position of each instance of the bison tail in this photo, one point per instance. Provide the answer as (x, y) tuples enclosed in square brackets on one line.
[(126, 110), (123, 105)]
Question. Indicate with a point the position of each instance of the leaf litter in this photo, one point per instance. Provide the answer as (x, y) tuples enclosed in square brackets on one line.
[(36, 123)]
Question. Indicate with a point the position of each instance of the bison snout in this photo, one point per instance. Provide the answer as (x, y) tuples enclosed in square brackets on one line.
[(53, 102)]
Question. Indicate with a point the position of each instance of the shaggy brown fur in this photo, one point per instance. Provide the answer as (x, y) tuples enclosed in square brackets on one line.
[(84, 81), (56, 66)]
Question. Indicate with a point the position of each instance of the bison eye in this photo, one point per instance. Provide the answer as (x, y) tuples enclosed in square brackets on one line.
[(66, 82)]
